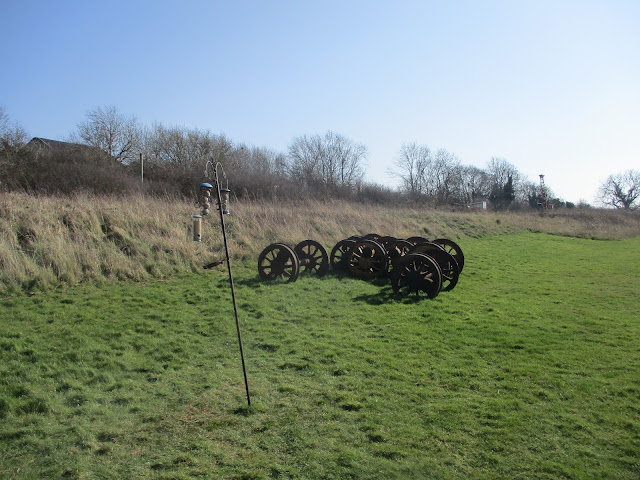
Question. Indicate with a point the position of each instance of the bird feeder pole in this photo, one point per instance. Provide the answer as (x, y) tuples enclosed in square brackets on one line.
[(223, 207)]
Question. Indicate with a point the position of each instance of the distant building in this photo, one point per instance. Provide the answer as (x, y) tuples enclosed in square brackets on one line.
[(481, 205), (64, 151)]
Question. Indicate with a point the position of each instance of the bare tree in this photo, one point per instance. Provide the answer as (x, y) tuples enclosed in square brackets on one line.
[(474, 184), (435, 177), (444, 177), (411, 164), (188, 148), (505, 180), (329, 160), (112, 132), (12, 135), (622, 190)]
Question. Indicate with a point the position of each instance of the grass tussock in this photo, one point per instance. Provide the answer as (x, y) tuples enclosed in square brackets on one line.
[(47, 241)]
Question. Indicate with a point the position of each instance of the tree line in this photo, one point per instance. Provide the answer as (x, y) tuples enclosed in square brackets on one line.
[(104, 153)]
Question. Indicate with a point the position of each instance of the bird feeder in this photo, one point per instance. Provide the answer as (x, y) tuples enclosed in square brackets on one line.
[(205, 197), (197, 228), (224, 201)]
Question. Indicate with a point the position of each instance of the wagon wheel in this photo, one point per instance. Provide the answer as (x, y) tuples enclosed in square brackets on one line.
[(372, 236), (426, 248), (278, 261), (452, 248), (398, 249), (417, 273), (367, 259), (339, 254), (447, 263), (313, 257), (417, 240), (385, 241)]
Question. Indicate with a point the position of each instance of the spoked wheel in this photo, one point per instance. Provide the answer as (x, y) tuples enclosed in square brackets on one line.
[(313, 257), (386, 241), (367, 259), (417, 273), (396, 250), (278, 262), (452, 248), (447, 263), (417, 240), (339, 254)]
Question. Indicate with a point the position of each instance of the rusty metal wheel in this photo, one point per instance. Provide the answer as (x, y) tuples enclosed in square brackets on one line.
[(447, 263), (278, 262), (397, 249), (385, 241), (340, 253), (367, 259), (452, 248), (372, 236), (417, 273), (313, 257), (417, 240)]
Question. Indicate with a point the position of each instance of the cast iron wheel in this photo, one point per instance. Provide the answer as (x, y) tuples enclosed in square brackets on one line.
[(417, 240), (447, 263), (278, 262), (340, 253), (313, 257), (367, 259), (398, 249), (452, 248), (426, 248), (417, 273), (372, 236), (386, 241)]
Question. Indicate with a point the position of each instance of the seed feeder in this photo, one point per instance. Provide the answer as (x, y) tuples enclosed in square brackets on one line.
[(205, 198), (224, 201)]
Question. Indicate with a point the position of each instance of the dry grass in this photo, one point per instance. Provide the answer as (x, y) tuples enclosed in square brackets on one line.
[(50, 241)]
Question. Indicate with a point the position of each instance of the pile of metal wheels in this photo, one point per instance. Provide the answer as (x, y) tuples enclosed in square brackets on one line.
[(414, 265)]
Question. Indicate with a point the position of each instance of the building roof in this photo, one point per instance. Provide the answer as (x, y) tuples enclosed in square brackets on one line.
[(45, 146)]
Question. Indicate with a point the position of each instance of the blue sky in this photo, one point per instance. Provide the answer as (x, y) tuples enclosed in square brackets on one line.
[(551, 86)]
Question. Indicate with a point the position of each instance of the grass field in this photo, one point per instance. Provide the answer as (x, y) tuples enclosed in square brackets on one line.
[(529, 368)]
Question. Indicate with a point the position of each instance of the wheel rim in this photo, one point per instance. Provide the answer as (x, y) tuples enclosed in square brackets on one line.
[(316, 254), (278, 262), (367, 259), (453, 249), (417, 240), (398, 249), (340, 253), (417, 273)]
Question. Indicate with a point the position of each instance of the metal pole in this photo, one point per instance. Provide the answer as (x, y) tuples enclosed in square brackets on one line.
[(233, 291)]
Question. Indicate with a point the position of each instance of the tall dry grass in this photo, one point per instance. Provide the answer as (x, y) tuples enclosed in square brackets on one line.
[(47, 241)]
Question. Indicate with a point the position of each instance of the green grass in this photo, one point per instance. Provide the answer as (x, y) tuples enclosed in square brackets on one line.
[(529, 368)]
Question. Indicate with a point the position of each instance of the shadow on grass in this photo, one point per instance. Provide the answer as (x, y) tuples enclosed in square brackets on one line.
[(387, 295), (384, 296), (253, 282)]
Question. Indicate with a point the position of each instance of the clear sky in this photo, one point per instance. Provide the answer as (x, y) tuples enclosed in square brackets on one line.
[(551, 86)]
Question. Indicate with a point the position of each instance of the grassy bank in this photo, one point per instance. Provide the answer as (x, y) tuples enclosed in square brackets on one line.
[(527, 369), (46, 242)]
